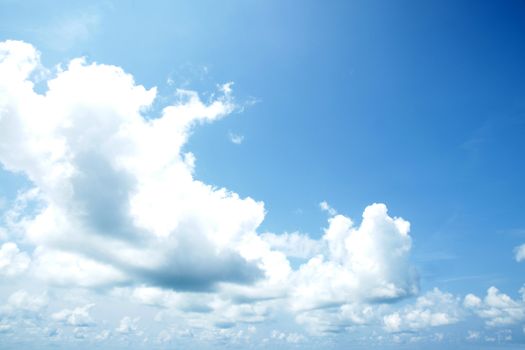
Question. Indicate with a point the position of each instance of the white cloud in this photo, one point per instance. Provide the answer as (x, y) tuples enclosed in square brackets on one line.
[(473, 335), (78, 317), (22, 301), (12, 260), (115, 203), (236, 139), (519, 253), (292, 338), (69, 269), (497, 308), (128, 325), (114, 188), (365, 263), (293, 244), (103, 335), (326, 207), (433, 309)]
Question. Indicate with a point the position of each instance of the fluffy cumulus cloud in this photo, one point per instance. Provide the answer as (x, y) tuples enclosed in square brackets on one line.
[(12, 260), (116, 194), (496, 308), (77, 317), (22, 301), (368, 262), (115, 207), (118, 202)]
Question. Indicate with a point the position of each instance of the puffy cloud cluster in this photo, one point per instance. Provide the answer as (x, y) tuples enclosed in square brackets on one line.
[(435, 308), (115, 205), (12, 260), (117, 194), (128, 325), (118, 203), (77, 317), (365, 263), (22, 301), (497, 308)]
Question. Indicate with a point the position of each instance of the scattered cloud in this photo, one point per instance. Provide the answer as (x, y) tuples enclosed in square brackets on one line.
[(22, 301), (365, 263), (78, 317), (12, 260), (327, 208), (115, 207), (473, 335), (294, 244), (128, 325), (519, 253), (433, 309), (235, 138), (496, 308)]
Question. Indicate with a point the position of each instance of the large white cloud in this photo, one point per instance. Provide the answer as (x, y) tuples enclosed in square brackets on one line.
[(113, 186), (115, 204)]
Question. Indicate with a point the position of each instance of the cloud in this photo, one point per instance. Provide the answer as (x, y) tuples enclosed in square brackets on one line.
[(433, 309), (473, 335), (77, 317), (115, 206), (497, 308), (293, 338), (115, 190), (12, 260), (327, 208), (236, 139), (293, 244), (22, 301), (366, 263), (128, 325), (520, 253)]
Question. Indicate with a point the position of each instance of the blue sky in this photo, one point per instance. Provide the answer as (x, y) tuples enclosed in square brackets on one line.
[(217, 174)]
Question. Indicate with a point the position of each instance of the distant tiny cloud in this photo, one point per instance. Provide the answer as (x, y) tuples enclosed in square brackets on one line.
[(327, 208), (64, 33), (520, 253), (235, 138)]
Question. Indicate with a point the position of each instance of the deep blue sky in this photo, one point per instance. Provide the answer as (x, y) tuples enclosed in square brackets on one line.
[(416, 104)]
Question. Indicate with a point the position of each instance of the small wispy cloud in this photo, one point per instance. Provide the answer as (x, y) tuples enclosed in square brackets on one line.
[(519, 253), (64, 33), (235, 138), (327, 208)]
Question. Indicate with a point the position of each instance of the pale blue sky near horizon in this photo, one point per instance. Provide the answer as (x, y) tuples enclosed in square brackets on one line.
[(418, 105)]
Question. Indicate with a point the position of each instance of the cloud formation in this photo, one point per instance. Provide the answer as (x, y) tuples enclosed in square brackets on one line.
[(433, 309), (496, 308), (519, 253), (116, 193), (119, 205), (115, 207), (12, 260)]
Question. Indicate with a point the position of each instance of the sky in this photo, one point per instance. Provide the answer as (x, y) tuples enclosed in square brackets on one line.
[(248, 174)]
